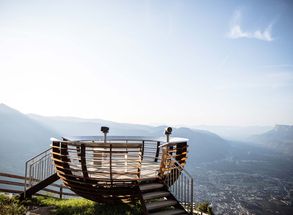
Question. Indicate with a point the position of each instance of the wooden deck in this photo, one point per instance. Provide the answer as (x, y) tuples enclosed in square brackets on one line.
[(148, 169)]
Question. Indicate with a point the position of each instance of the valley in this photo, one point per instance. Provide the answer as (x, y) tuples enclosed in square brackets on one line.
[(235, 177), (251, 186)]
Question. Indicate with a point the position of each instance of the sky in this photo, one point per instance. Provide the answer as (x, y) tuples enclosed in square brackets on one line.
[(149, 62)]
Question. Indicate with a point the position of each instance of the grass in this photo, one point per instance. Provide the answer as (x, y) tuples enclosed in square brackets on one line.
[(10, 205), (86, 207)]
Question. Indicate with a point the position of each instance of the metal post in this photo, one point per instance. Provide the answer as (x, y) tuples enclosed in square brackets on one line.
[(191, 196), (105, 130), (142, 152), (61, 191), (25, 178), (99, 155), (168, 132), (157, 151), (111, 176)]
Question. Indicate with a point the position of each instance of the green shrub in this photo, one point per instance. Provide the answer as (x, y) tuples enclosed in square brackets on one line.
[(79, 206), (11, 206), (74, 206), (204, 207)]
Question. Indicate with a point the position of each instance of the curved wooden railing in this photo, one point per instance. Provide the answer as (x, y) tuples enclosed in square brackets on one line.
[(172, 152), (101, 170)]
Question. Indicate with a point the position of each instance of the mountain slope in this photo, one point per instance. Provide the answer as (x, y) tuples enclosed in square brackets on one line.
[(280, 139), (20, 138), (72, 126), (23, 136), (205, 145)]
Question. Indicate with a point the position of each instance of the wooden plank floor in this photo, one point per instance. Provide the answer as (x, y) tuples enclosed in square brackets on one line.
[(149, 169)]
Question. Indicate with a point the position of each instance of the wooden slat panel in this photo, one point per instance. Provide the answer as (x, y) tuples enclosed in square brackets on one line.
[(10, 190), (11, 175), (20, 184), (8, 175), (104, 145), (78, 164)]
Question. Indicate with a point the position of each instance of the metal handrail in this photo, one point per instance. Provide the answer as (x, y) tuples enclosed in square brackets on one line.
[(35, 169), (38, 155), (180, 183)]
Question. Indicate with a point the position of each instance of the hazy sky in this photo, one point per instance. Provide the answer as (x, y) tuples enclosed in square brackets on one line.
[(149, 62)]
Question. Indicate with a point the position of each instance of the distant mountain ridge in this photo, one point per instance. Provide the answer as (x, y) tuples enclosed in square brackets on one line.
[(238, 133), (20, 138), (280, 138), (69, 126), (207, 145), (23, 136)]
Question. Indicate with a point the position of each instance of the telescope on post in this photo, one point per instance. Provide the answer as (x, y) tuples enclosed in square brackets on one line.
[(105, 130), (168, 132)]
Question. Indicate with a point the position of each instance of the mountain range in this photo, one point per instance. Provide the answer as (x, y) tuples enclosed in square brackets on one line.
[(235, 176), (23, 136), (20, 138), (280, 138)]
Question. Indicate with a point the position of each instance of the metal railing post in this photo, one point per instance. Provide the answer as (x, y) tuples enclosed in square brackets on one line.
[(191, 196), (37, 169), (180, 184), (61, 191), (157, 151), (25, 177)]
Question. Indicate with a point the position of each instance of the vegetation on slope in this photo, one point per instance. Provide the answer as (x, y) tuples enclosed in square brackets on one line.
[(11, 205), (86, 207), (204, 207), (76, 206)]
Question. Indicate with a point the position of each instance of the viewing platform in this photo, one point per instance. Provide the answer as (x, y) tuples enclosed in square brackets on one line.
[(107, 169), (117, 162)]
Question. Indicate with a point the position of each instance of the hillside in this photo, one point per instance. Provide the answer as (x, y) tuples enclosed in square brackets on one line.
[(229, 174), (20, 138), (23, 136), (205, 146), (73, 126), (280, 138)]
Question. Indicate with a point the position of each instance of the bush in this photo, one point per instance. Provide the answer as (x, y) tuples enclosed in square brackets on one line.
[(11, 206), (81, 206), (204, 207), (74, 206)]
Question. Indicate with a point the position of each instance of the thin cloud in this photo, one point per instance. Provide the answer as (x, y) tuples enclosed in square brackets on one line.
[(237, 32)]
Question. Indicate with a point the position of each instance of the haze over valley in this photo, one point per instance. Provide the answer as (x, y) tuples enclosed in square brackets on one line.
[(236, 177)]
